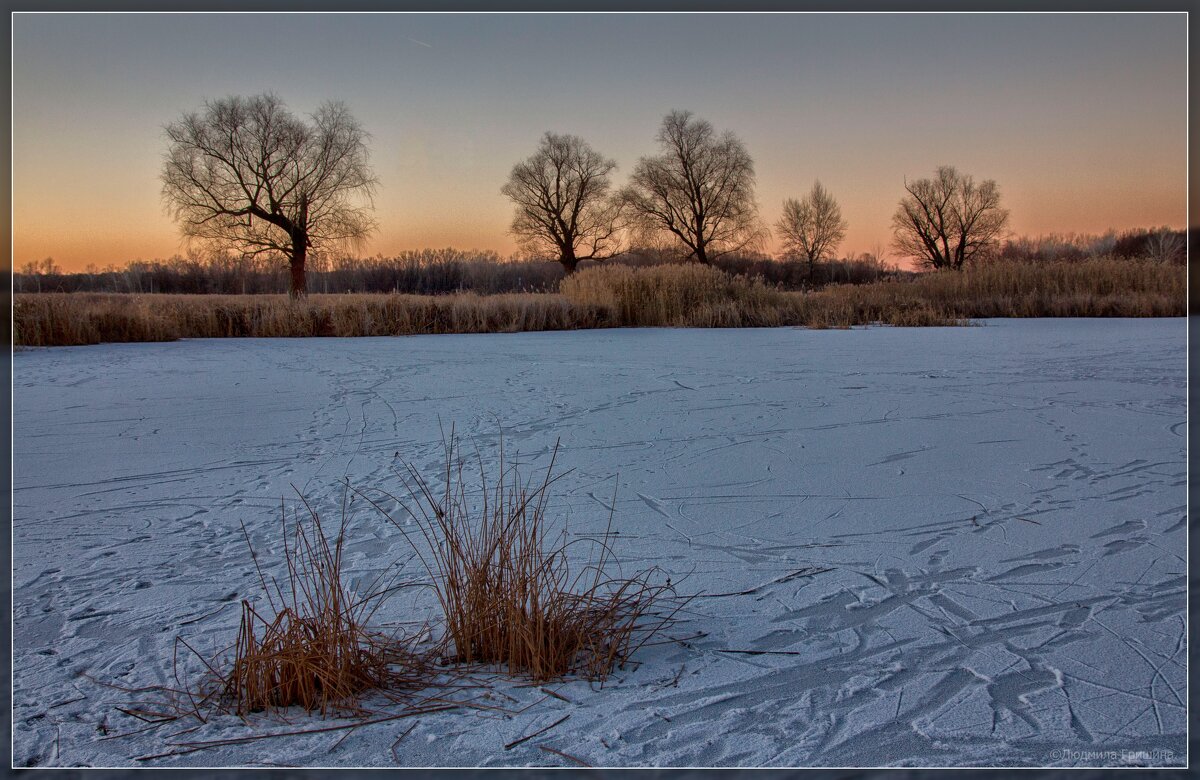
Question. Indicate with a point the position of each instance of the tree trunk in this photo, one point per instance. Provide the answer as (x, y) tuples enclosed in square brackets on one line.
[(568, 260), (299, 232), (299, 278), (701, 254)]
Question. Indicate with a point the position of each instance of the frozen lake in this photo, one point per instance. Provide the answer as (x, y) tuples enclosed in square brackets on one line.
[(1002, 509)]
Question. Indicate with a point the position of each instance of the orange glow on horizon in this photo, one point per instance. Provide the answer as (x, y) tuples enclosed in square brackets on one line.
[(113, 246)]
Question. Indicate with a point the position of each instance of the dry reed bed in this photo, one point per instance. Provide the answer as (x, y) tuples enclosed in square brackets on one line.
[(620, 296), (57, 319), (1105, 287)]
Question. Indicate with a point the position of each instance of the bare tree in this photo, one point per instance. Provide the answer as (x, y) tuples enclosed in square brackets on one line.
[(246, 172), (700, 189), (949, 219), (813, 227), (44, 267), (1166, 245), (563, 202)]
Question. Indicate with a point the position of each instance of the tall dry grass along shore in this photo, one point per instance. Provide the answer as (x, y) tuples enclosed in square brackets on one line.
[(620, 296)]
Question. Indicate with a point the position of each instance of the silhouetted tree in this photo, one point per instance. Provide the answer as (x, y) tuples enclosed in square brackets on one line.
[(563, 204), (700, 189), (812, 227), (246, 172), (949, 219), (44, 267), (37, 270)]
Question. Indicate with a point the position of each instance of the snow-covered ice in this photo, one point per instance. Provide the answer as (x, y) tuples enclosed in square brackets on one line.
[(1001, 508)]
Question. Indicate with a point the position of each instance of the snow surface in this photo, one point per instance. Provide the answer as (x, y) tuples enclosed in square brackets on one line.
[(1002, 508)]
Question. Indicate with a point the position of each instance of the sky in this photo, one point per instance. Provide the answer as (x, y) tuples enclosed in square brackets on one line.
[(1079, 118)]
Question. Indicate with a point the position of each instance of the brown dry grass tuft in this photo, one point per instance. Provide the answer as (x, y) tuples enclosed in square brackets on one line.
[(507, 588), (316, 651)]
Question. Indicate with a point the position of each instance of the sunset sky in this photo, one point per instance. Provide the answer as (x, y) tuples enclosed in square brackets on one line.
[(1080, 118)]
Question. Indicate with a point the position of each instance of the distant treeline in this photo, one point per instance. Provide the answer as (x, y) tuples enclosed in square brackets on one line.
[(1162, 244), (445, 271), (424, 272)]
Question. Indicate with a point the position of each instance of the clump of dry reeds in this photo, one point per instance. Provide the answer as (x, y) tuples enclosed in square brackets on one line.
[(509, 596), (508, 588), (316, 651), (681, 296)]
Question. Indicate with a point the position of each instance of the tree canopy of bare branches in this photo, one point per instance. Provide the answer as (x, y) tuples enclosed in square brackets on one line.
[(812, 227), (1166, 245), (563, 202), (247, 174), (948, 220), (700, 189)]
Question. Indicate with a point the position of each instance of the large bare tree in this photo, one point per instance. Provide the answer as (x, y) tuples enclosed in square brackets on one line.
[(247, 173), (700, 189), (563, 202), (948, 220), (812, 227)]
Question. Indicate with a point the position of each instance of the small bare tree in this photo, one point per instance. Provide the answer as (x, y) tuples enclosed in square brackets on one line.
[(37, 269), (699, 190), (948, 220), (44, 267), (247, 173), (1166, 245), (563, 203), (813, 227)]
